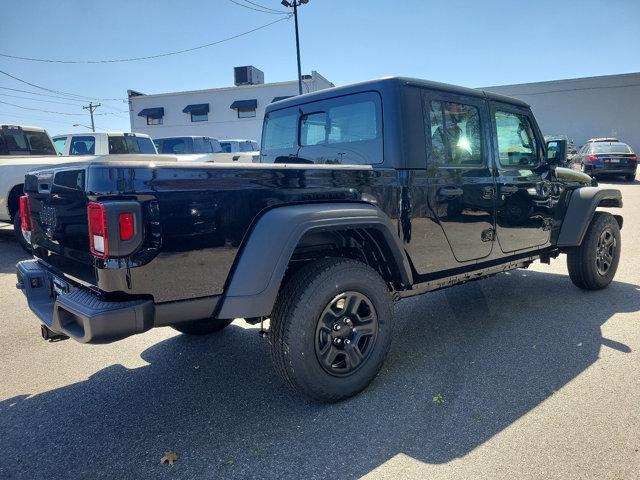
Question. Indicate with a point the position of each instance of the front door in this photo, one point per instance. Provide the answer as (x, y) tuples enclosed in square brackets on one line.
[(526, 194), (461, 185)]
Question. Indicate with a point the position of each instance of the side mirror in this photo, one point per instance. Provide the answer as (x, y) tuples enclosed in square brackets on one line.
[(557, 152)]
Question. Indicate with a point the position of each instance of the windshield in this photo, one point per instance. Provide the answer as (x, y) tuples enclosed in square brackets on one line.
[(226, 147), (15, 141), (611, 148)]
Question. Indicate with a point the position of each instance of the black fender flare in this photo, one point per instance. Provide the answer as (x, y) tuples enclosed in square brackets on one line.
[(265, 255), (582, 205)]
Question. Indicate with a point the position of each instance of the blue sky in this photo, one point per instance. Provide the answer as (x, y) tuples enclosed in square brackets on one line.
[(471, 43)]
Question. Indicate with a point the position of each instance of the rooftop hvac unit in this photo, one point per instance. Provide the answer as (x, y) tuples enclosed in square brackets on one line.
[(248, 75)]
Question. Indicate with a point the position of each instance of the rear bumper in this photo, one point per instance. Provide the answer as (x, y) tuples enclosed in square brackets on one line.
[(611, 170), (80, 314)]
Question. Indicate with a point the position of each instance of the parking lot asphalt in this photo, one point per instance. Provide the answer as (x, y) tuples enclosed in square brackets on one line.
[(520, 376)]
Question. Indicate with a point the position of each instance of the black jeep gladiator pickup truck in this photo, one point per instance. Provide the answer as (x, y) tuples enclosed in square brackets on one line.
[(364, 194)]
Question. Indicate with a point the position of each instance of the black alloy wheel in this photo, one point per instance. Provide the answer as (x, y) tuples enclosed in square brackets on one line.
[(346, 333)]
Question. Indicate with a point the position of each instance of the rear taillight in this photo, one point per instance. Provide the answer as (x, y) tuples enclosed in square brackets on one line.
[(593, 158), (97, 216), (127, 226), (26, 221), (634, 158)]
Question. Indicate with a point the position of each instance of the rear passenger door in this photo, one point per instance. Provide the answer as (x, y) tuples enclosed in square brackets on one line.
[(527, 196), (461, 183)]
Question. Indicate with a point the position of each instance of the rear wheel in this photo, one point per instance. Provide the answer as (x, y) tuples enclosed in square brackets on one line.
[(202, 327), (593, 264), (22, 237), (331, 329), (630, 177)]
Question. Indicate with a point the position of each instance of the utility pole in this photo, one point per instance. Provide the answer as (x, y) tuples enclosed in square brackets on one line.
[(92, 108), (295, 4)]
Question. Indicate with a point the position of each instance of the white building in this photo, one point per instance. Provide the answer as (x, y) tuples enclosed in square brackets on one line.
[(583, 108), (229, 112)]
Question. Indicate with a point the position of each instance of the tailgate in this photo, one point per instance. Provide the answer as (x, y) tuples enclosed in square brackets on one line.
[(59, 211)]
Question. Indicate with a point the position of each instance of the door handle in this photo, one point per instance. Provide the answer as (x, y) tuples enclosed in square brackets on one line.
[(450, 192), (507, 189)]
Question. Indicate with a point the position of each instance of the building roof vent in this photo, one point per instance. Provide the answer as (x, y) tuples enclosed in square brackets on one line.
[(248, 75)]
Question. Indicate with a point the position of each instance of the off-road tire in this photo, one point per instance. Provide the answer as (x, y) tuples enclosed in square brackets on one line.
[(582, 260), (202, 327), (19, 234), (296, 318)]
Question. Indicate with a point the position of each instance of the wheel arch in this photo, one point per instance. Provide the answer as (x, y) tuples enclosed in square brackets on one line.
[(13, 200), (282, 233), (582, 205)]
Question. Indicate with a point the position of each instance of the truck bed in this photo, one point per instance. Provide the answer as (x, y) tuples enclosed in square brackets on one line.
[(195, 217)]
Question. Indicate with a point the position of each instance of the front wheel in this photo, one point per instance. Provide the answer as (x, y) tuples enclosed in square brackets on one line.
[(331, 329), (202, 327), (593, 264), (23, 238)]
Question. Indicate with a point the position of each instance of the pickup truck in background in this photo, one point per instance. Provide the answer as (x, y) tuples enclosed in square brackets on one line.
[(364, 194), (104, 143), (202, 149), (25, 148), (21, 149)]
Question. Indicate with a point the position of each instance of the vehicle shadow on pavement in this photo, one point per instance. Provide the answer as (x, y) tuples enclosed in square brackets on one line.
[(466, 363), (12, 253)]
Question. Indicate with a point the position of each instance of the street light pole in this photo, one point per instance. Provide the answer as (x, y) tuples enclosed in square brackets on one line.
[(295, 17), (295, 4)]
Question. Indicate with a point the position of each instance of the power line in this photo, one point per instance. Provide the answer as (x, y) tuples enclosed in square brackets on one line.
[(261, 9), (38, 93), (49, 111), (39, 110), (59, 92), (266, 8), (39, 100), (133, 59), (31, 117)]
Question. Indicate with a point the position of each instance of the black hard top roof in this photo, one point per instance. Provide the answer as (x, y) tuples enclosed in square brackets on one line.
[(388, 82)]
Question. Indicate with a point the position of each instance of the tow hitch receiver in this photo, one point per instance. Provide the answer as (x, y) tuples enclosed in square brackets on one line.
[(50, 335)]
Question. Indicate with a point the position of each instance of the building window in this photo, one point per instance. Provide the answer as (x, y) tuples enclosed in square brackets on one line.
[(199, 112), (154, 115), (245, 108), (199, 117), (246, 112)]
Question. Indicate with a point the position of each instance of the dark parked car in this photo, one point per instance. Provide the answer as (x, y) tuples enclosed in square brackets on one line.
[(604, 157), (365, 194)]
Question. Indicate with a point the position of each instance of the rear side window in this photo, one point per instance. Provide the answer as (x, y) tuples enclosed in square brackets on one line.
[(16, 141), (176, 146), (82, 145), (343, 130), (117, 145), (516, 141), (280, 131), (59, 144), (201, 145), (456, 137), (145, 145)]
